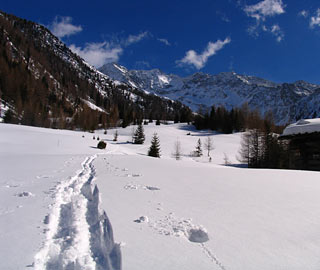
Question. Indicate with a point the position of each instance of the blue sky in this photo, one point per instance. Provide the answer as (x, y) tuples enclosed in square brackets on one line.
[(277, 40)]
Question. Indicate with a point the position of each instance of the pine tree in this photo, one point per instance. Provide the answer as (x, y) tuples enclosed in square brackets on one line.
[(199, 149), (154, 150), (139, 136)]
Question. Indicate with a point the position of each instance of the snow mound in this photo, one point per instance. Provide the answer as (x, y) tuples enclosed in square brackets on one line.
[(199, 235)]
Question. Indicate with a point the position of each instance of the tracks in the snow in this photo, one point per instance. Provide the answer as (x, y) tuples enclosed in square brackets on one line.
[(79, 235)]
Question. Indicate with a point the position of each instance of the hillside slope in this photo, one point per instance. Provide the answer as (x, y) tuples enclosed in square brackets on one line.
[(43, 83)]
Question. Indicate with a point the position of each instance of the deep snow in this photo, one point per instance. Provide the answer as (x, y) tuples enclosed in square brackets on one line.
[(165, 213)]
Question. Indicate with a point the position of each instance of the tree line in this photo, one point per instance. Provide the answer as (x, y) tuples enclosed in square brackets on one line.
[(260, 147)]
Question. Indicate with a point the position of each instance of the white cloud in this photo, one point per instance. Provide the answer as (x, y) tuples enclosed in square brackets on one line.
[(315, 20), (98, 54), (136, 38), (303, 13), (62, 26), (261, 11), (266, 8), (164, 41), (277, 32), (200, 60)]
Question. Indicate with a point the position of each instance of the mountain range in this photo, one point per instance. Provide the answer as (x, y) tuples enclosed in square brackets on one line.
[(287, 101), (43, 83)]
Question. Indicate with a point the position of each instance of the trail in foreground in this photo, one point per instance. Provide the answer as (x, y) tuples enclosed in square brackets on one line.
[(79, 235)]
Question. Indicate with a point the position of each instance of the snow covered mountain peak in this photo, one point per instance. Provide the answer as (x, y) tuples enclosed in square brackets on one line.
[(287, 101)]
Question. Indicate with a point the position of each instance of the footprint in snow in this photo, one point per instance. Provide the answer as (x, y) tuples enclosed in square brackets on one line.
[(151, 188), (11, 186), (132, 175), (43, 176), (25, 194), (142, 219)]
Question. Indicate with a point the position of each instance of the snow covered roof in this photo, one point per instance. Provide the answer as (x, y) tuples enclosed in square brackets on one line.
[(303, 126)]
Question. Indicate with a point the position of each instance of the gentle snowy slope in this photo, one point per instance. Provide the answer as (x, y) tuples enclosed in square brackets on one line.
[(255, 219), (166, 214)]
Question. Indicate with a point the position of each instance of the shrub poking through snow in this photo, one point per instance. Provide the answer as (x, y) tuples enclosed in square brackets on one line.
[(154, 150), (102, 145)]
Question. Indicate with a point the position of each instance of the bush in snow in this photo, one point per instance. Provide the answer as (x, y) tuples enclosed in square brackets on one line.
[(102, 145)]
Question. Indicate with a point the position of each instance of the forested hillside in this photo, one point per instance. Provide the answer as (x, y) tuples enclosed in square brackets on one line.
[(43, 83)]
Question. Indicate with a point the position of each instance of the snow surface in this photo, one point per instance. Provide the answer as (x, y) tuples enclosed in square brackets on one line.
[(303, 126), (165, 213)]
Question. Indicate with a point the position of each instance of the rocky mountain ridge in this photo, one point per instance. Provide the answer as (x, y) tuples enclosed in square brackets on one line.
[(287, 101)]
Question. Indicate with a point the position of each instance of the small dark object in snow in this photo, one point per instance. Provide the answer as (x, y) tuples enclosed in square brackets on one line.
[(198, 236), (152, 188), (102, 145)]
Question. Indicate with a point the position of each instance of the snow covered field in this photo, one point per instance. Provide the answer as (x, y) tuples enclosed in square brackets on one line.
[(165, 213)]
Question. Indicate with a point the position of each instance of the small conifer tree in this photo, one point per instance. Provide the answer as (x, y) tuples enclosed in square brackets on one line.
[(139, 136), (198, 149), (154, 150)]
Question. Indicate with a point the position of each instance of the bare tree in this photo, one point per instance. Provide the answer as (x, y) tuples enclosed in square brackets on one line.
[(226, 159), (177, 150), (208, 145), (115, 136)]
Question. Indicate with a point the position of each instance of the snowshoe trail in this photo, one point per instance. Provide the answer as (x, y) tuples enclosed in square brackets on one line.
[(79, 235)]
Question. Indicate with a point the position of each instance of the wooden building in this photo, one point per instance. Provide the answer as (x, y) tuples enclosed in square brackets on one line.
[(303, 140)]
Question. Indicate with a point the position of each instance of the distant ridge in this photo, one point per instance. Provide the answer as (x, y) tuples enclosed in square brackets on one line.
[(287, 101)]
